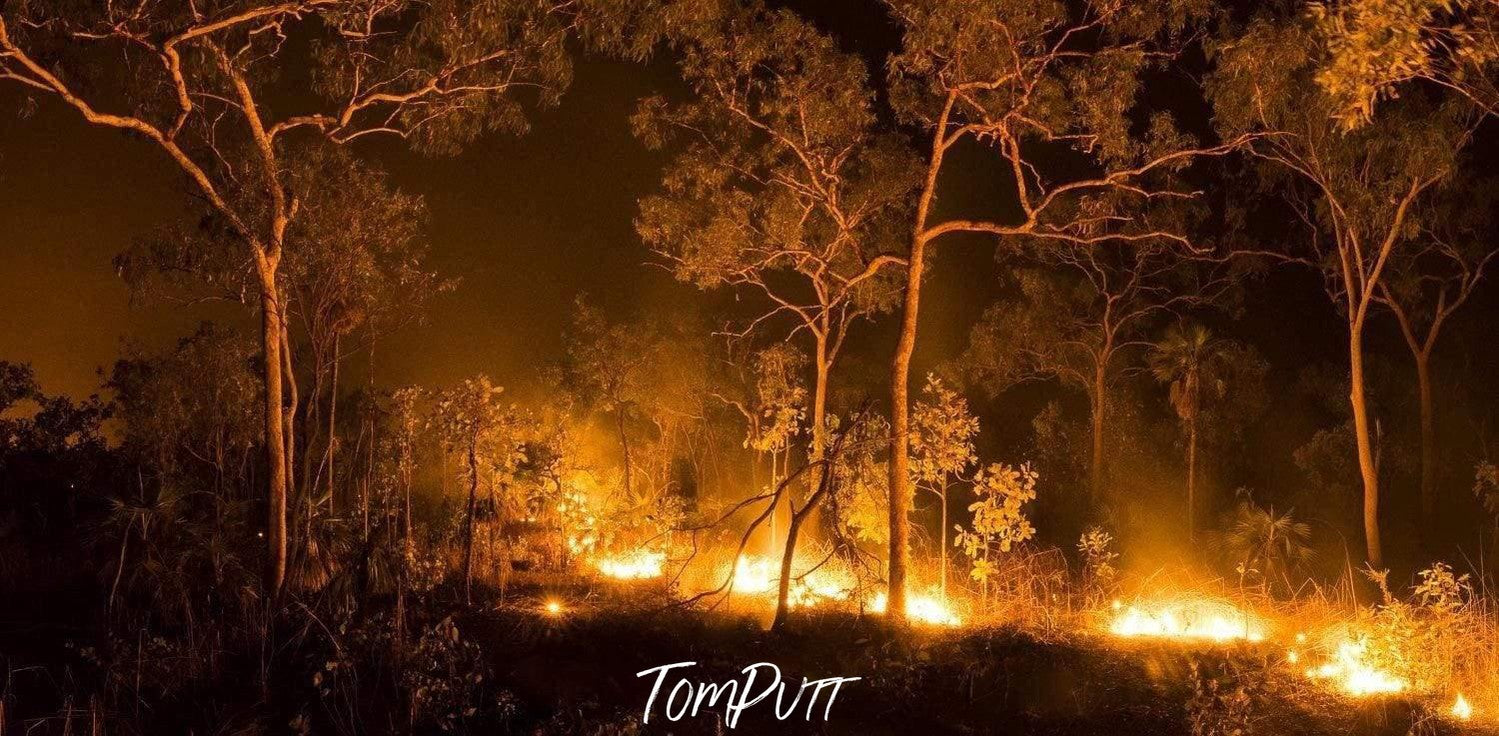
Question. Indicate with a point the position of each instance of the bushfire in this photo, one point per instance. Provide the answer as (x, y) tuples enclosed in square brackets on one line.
[(1186, 617)]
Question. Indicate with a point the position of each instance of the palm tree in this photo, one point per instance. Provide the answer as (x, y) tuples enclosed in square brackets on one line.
[(1188, 359), (1274, 544)]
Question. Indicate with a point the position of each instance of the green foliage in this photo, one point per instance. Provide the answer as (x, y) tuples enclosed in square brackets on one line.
[(942, 435), (444, 677), (861, 495), (779, 171), (1037, 67), (780, 398), (17, 383), (1265, 544), (999, 520), (1349, 185), (198, 400), (1181, 359), (471, 417), (1371, 48), (1096, 547)]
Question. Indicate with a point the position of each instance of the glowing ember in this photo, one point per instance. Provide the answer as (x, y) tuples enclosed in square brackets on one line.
[(927, 609), (637, 565), (1197, 618), (554, 607), (1293, 657), (1353, 674), (1460, 708)]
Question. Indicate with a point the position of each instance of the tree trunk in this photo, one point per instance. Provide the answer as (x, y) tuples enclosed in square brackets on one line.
[(271, 318), (942, 542), (624, 445), (404, 564), (468, 527), (900, 422), (1366, 464), (1095, 467), (900, 377), (1192, 479), (793, 529), (332, 434), (1428, 443), (820, 405), (783, 592)]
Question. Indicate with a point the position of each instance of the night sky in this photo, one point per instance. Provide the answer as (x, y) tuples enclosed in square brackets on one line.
[(526, 223)]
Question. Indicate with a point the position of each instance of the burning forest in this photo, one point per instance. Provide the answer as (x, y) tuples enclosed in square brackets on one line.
[(769, 366)]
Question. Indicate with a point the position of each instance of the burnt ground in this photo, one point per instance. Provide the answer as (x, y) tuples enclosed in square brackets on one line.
[(576, 673)]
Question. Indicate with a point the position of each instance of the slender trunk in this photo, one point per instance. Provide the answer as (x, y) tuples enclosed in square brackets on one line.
[(468, 527), (369, 462), (1095, 472), (310, 428), (900, 376), (120, 566), (783, 592), (1428, 443), (1366, 464), (332, 437), (294, 492), (793, 529), (275, 448), (942, 542), (624, 446), (900, 461), (820, 405), (775, 505), (1192, 479), (404, 564)]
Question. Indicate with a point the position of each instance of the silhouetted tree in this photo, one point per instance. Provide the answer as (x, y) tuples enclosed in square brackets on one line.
[(437, 74), (1078, 317), (784, 186), (1194, 364), (471, 420), (1031, 81), (1355, 192), (1427, 284)]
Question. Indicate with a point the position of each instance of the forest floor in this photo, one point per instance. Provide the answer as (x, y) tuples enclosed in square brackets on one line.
[(575, 671)]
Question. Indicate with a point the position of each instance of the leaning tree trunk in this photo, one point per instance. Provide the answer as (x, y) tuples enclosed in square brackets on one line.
[(468, 527), (271, 322), (1366, 465), (793, 530)]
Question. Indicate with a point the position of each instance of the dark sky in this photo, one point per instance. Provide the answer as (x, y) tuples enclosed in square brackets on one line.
[(527, 223)]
